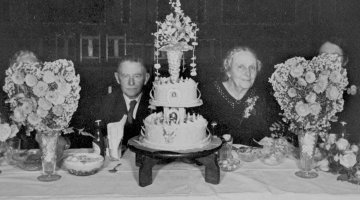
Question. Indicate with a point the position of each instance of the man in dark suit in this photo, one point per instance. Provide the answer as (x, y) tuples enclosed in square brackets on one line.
[(128, 97)]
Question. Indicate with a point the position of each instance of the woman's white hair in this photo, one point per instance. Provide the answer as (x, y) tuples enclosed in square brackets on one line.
[(230, 55)]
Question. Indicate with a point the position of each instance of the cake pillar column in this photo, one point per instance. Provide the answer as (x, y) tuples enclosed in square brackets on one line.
[(174, 61)]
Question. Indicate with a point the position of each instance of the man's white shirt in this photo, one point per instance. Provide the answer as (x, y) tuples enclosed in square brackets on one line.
[(128, 100)]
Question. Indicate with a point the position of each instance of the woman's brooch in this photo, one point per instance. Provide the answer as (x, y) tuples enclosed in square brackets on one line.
[(250, 106)]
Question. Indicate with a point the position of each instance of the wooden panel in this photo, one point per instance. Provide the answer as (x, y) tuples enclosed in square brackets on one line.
[(258, 11)]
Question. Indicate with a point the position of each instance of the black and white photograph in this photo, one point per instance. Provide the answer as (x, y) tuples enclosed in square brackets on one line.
[(180, 99)]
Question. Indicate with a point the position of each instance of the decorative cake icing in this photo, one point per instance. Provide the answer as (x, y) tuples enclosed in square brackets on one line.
[(188, 132), (183, 93)]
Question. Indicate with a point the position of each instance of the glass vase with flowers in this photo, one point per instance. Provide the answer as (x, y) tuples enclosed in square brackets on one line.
[(43, 97), (310, 93)]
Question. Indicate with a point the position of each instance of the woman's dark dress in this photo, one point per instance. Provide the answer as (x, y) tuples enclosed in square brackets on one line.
[(220, 107)]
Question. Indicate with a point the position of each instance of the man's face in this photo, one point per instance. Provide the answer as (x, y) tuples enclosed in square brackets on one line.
[(132, 77)]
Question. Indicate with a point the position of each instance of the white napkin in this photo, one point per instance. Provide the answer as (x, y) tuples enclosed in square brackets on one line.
[(115, 134)]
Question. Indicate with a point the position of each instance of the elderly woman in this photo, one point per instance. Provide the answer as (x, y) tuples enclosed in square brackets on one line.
[(233, 106)]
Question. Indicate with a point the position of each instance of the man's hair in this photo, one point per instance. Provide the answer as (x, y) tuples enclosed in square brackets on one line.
[(338, 41), (131, 58)]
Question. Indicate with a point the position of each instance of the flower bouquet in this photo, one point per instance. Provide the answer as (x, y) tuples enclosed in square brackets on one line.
[(310, 93), (43, 97), (175, 35), (340, 157)]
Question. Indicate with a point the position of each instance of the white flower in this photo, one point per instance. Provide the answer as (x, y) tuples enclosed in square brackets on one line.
[(311, 97), (320, 86), (331, 138), (27, 106), (64, 88), (335, 77), (354, 148), (49, 77), (332, 93), (323, 165), (315, 108), (302, 109), (34, 119), (292, 92), (69, 76), (40, 89), (5, 132), (59, 100), (52, 96), (44, 104), (348, 160), (41, 112), (30, 80), (310, 77), (327, 146), (302, 82), (18, 78), (58, 110), (19, 115), (296, 71), (342, 144)]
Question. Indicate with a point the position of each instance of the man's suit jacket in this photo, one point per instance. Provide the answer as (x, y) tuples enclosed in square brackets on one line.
[(113, 108)]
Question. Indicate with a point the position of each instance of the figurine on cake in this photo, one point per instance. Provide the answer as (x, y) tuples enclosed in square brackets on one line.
[(174, 129)]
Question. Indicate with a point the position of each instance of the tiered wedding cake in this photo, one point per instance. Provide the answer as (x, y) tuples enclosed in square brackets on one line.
[(174, 129)]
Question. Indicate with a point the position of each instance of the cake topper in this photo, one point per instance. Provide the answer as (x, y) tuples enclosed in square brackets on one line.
[(174, 36)]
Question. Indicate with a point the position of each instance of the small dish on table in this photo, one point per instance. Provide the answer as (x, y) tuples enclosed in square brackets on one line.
[(248, 154), (83, 164)]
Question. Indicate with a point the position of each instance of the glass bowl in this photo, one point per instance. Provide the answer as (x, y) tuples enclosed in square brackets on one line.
[(83, 164), (231, 163), (273, 159), (248, 154)]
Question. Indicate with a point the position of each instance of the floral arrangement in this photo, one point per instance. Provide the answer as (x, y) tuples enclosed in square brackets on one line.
[(340, 157), (42, 96), (176, 31), (175, 34), (310, 93)]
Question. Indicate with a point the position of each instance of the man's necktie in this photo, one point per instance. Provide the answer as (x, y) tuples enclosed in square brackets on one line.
[(130, 118)]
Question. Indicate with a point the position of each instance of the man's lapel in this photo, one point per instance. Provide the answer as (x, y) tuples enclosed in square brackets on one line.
[(120, 106), (142, 108)]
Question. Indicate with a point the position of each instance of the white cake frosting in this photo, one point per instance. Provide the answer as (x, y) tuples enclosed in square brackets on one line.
[(187, 133), (183, 93)]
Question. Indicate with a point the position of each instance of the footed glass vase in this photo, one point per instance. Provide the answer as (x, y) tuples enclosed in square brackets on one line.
[(307, 145), (48, 147)]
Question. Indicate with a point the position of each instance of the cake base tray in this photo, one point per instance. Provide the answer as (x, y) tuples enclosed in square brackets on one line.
[(147, 158)]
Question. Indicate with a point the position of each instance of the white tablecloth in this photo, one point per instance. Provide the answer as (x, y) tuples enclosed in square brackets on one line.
[(177, 181)]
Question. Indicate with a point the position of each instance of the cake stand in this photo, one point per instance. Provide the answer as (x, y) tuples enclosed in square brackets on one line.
[(147, 158)]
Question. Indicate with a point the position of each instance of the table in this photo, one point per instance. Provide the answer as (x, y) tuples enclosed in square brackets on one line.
[(177, 181)]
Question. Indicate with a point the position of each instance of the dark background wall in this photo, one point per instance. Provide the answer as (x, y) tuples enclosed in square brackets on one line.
[(276, 29)]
